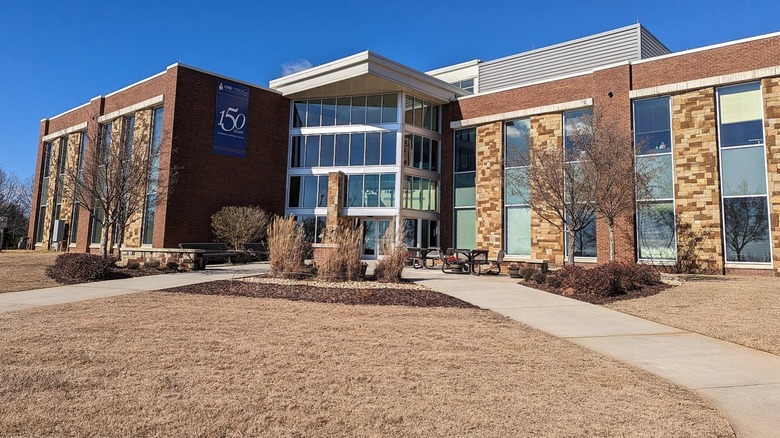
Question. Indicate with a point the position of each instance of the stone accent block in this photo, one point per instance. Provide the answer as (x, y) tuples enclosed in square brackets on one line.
[(771, 89), (489, 188), (546, 238), (697, 188)]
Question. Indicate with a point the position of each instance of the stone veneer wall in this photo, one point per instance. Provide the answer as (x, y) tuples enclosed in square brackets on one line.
[(771, 89), (335, 194), (546, 239), (697, 188), (489, 190)]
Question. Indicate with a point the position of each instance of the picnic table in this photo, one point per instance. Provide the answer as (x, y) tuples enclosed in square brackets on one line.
[(423, 257), (464, 261)]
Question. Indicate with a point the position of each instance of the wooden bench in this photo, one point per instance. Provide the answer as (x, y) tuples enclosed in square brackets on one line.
[(211, 251), (256, 250)]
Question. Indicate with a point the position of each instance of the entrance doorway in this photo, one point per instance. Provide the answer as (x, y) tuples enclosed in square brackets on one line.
[(373, 237)]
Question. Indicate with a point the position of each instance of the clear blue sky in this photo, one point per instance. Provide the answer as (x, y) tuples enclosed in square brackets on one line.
[(55, 55)]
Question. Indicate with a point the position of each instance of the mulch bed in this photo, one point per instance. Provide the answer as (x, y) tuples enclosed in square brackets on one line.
[(597, 299), (354, 296)]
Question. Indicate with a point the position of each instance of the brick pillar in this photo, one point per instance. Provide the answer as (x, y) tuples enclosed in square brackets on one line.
[(489, 189), (546, 239), (771, 89), (697, 188), (335, 195)]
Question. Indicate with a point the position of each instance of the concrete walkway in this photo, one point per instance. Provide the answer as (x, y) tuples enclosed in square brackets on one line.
[(87, 291), (743, 383)]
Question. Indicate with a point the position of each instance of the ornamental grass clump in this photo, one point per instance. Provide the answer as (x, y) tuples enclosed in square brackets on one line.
[(341, 262), (390, 268), (287, 247)]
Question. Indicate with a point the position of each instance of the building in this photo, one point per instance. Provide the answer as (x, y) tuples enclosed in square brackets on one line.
[(372, 141)]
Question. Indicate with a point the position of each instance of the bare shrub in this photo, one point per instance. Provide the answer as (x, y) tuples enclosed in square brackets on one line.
[(236, 225), (151, 263), (342, 262), (286, 246), (390, 268)]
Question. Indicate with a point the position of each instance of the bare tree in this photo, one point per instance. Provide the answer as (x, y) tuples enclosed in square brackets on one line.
[(116, 177), (559, 184), (237, 225), (15, 200)]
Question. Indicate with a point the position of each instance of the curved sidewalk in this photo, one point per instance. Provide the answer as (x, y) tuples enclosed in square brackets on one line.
[(742, 382), (87, 291)]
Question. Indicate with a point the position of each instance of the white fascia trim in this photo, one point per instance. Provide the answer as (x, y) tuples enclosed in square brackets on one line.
[(545, 109), (131, 109), (66, 131), (732, 265), (66, 112), (455, 67), (711, 47), (362, 63), (227, 78), (705, 82)]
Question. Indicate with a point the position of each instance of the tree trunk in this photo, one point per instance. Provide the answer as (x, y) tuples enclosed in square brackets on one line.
[(104, 240), (611, 241), (570, 247)]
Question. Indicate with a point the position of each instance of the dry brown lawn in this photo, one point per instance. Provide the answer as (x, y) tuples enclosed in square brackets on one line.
[(163, 364), (24, 270), (737, 309)]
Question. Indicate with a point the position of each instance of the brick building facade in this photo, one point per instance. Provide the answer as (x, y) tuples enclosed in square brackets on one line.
[(426, 151)]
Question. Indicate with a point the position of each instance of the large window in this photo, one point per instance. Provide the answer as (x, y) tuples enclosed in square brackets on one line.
[(150, 207), (44, 192), (421, 194), (62, 159), (465, 179), (361, 149), (421, 233), (308, 191), (517, 213), (576, 124), (656, 237), (421, 114), (743, 174), (421, 152), (358, 110), (371, 190), (467, 84), (80, 174), (313, 227)]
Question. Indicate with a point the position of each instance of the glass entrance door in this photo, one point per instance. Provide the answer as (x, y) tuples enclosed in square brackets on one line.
[(373, 237)]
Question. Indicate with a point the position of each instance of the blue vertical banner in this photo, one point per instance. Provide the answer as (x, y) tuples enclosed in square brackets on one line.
[(230, 122)]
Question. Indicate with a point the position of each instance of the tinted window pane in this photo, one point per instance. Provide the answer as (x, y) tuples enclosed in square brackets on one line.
[(372, 148), (427, 116), (389, 108), (322, 192), (342, 150), (328, 112), (517, 138), (355, 191), (434, 155), (434, 195), (343, 111), (388, 147), (313, 115), (659, 170), (576, 128), (742, 133), (465, 150), (312, 150), (425, 194), (744, 171), (435, 126), (416, 194), (651, 115), (654, 142), (417, 152), (310, 192), (410, 232), (299, 114), (322, 222), (371, 191), (741, 115), (409, 111), (426, 153), (358, 110), (326, 150), (655, 231), (295, 152), (418, 112), (465, 189), (746, 230), (516, 189), (295, 191), (356, 151), (387, 186), (374, 109), (518, 231), (466, 228), (585, 240)]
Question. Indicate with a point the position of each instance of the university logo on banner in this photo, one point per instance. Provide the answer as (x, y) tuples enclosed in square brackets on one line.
[(230, 123)]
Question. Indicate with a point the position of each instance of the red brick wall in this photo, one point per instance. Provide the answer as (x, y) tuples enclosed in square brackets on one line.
[(733, 58), (208, 182)]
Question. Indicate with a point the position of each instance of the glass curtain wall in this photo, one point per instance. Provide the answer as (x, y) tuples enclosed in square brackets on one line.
[(465, 179), (147, 232), (743, 174), (357, 110), (656, 237), (585, 239), (517, 195)]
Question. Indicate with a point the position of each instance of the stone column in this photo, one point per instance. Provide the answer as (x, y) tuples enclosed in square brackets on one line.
[(335, 196), (546, 239), (489, 188), (771, 89)]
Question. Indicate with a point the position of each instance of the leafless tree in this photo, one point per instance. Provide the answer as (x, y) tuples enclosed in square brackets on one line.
[(237, 225), (15, 200), (114, 177)]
